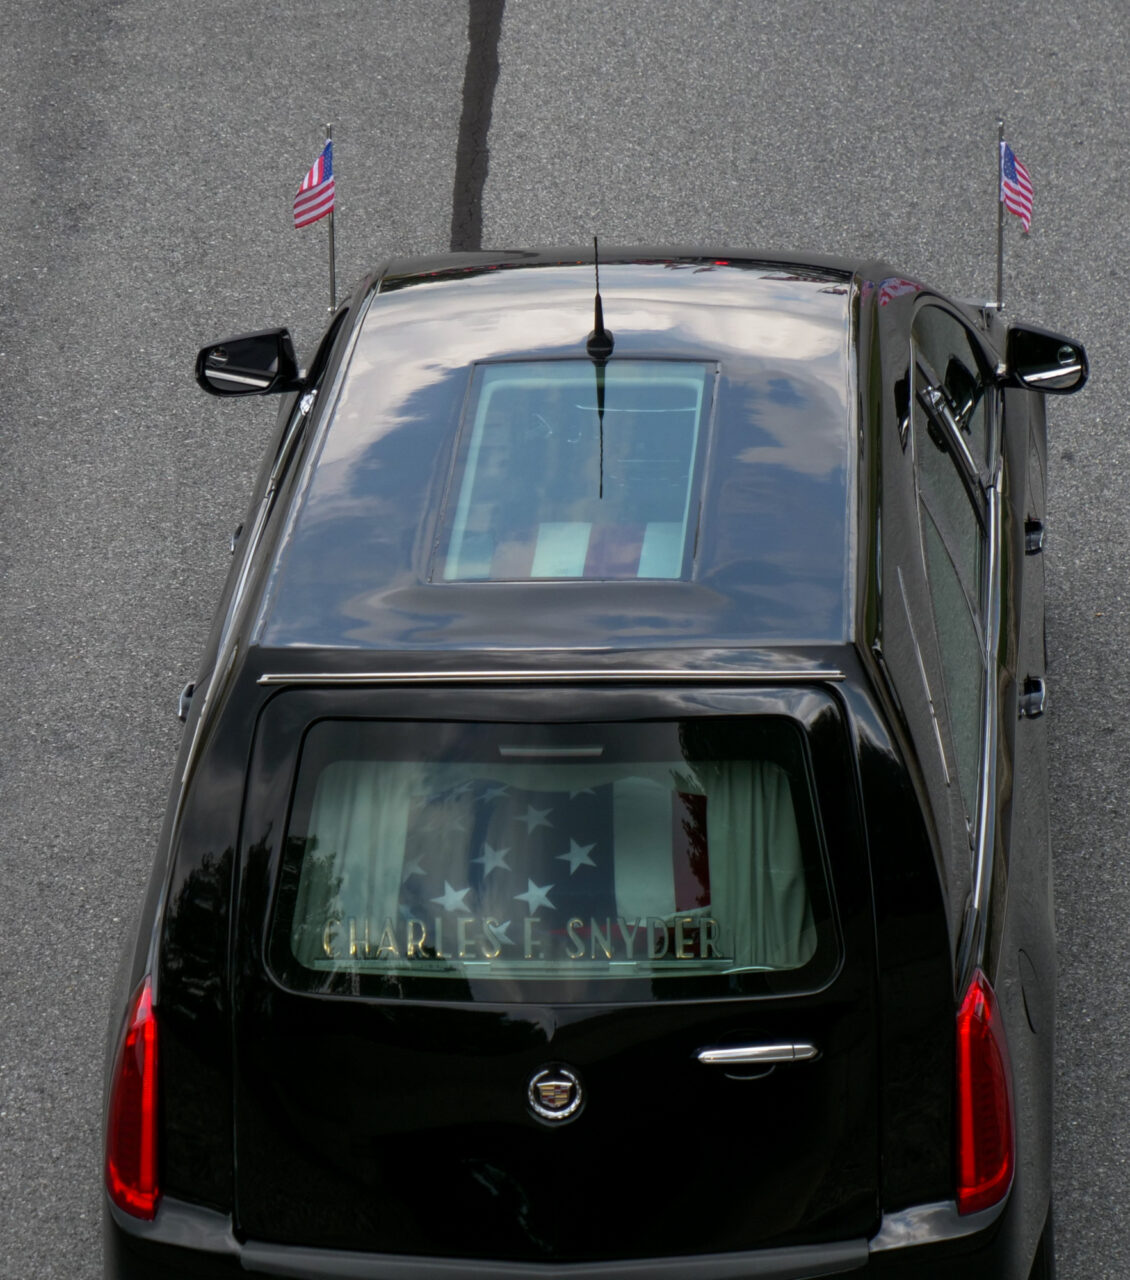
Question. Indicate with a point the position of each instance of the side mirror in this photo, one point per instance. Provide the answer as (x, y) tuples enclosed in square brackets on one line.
[(256, 364), (1045, 361)]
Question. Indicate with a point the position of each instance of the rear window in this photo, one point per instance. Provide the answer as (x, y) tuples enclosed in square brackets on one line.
[(566, 862), (566, 470)]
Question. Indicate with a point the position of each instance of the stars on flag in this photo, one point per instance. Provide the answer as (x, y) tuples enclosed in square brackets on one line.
[(578, 856), (536, 896), (489, 844), (491, 859), (534, 818), (459, 881), (502, 933), (315, 197), (453, 899)]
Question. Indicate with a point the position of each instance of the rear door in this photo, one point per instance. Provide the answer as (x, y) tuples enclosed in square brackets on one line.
[(557, 975)]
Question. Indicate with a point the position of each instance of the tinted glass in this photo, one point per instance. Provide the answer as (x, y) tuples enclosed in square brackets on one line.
[(958, 367), (562, 860), (963, 663), (943, 491), (566, 470)]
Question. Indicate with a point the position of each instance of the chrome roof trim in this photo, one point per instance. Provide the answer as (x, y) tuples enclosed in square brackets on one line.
[(816, 675)]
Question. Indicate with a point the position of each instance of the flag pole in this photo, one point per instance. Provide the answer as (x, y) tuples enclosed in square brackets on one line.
[(333, 275), (1000, 217)]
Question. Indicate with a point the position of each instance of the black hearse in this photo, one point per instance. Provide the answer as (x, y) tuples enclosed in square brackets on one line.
[(610, 834)]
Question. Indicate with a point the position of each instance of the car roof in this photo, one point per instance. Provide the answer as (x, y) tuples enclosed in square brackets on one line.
[(772, 562)]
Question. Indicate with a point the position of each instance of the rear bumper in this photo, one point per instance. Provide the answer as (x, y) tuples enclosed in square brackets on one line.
[(186, 1242)]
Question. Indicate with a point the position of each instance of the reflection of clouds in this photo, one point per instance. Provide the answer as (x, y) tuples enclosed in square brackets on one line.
[(809, 433), (417, 336), (773, 542), (338, 497)]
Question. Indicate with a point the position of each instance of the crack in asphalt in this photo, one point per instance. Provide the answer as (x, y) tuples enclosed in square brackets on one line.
[(472, 159)]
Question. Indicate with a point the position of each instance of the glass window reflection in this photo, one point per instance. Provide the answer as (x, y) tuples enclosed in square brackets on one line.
[(569, 470)]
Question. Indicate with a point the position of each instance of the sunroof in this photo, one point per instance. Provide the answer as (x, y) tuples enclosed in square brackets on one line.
[(564, 470)]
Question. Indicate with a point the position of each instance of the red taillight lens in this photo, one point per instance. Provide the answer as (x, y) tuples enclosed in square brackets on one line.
[(985, 1149), (131, 1132)]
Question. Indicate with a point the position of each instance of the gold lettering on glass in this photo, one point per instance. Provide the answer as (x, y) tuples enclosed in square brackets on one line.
[(352, 938), (417, 939), (464, 943), (681, 941), (440, 955), (528, 938), (329, 937), (575, 939), (628, 933), (491, 945), (656, 934), (602, 938), (708, 934), (387, 945)]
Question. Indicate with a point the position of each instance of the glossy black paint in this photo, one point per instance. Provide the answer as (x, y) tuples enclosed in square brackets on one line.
[(349, 1112), (902, 891), (356, 570)]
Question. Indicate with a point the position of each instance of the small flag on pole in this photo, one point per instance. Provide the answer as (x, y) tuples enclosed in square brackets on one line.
[(315, 197), (1016, 186)]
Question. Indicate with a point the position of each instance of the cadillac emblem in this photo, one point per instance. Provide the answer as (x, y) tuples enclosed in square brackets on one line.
[(555, 1094)]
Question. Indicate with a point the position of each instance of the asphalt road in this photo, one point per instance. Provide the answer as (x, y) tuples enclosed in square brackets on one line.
[(150, 151)]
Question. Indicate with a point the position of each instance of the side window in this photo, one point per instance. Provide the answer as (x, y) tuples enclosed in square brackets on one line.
[(963, 659), (942, 344), (952, 439)]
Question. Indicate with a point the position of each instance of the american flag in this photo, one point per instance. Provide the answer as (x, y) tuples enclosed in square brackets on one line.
[(894, 287), (1016, 186), (315, 197), (501, 852)]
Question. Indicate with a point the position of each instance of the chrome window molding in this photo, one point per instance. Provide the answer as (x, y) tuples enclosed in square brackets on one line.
[(954, 434), (554, 676), (986, 816), (971, 947)]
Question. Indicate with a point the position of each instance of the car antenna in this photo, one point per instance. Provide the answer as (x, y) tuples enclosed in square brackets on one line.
[(599, 346)]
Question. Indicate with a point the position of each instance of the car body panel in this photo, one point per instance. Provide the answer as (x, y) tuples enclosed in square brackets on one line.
[(351, 1112), (276, 1154), (356, 565)]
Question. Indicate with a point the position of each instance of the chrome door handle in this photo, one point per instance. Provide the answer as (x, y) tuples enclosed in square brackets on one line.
[(1033, 536), (1033, 699), (758, 1055), (184, 702)]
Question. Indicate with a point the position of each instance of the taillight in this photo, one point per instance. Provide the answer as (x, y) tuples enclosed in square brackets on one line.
[(131, 1132), (985, 1149)]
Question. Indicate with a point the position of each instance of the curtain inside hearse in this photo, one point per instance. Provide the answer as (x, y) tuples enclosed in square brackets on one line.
[(665, 866)]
